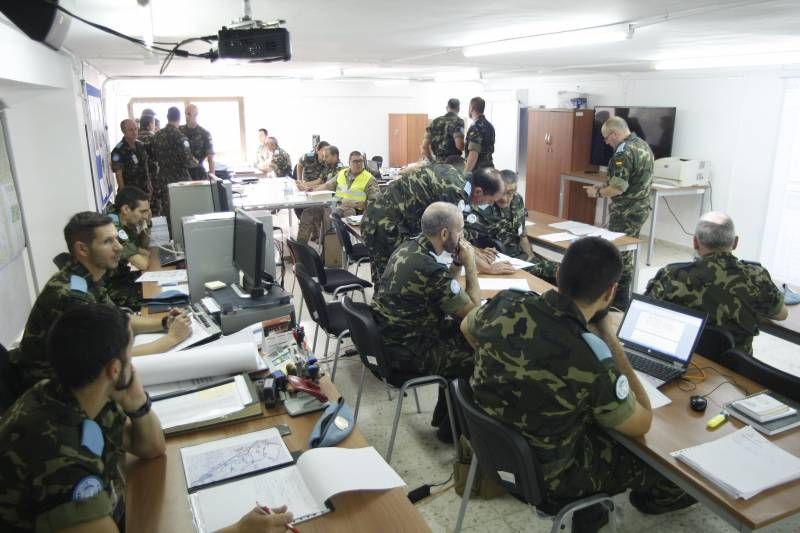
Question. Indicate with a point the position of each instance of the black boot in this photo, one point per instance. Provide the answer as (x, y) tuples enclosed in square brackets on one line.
[(440, 411)]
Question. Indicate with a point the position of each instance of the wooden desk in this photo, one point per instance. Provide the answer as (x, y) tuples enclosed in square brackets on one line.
[(157, 499), (789, 329), (537, 285), (676, 426)]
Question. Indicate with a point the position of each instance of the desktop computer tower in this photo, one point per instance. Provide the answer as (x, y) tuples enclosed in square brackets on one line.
[(187, 198)]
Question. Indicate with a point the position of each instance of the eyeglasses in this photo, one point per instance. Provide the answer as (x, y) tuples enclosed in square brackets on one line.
[(359, 161)]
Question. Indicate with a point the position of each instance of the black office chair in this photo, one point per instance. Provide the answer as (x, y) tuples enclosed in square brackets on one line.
[(364, 333), (499, 447), (9, 382), (327, 315), (714, 342), (762, 373), (354, 254)]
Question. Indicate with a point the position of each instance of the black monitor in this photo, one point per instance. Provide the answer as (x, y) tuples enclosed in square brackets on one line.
[(655, 125), (221, 194), (248, 251)]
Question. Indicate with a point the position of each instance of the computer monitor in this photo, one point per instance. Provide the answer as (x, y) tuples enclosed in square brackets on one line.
[(248, 251), (654, 125), (221, 194), (186, 199)]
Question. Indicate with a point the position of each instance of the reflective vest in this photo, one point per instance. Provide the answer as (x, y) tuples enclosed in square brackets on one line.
[(356, 192)]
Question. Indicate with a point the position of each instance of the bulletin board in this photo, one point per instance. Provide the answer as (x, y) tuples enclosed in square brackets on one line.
[(97, 140)]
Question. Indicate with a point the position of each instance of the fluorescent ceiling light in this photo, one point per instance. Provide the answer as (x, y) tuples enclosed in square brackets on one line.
[(146, 13), (746, 60), (392, 83), (469, 74), (544, 42)]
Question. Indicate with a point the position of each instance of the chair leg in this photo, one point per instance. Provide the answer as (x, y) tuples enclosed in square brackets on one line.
[(452, 418), (568, 511), (416, 399), (473, 468), (314, 347), (327, 342), (397, 411), (360, 390), (339, 341)]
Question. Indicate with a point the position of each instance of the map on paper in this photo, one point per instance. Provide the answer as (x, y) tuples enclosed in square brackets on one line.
[(234, 457)]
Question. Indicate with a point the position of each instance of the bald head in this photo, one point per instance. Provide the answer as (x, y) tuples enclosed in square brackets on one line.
[(191, 114), (439, 216), (715, 233)]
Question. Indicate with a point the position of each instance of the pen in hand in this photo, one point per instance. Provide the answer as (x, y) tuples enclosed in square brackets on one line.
[(266, 510)]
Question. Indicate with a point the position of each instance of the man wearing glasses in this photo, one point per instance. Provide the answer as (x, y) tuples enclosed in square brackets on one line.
[(630, 175)]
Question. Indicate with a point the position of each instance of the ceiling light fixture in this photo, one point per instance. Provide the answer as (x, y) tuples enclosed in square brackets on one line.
[(469, 74), (552, 40), (746, 60)]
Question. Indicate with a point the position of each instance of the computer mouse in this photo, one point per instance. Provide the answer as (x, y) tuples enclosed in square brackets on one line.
[(698, 403)]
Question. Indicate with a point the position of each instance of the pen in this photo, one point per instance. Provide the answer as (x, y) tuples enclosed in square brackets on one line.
[(289, 526)]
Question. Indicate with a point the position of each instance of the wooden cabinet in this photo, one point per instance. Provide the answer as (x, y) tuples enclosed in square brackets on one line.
[(558, 140), (406, 132)]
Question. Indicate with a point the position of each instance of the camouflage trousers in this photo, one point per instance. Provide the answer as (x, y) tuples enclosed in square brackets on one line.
[(159, 200), (313, 223), (628, 221), (609, 468), (448, 354)]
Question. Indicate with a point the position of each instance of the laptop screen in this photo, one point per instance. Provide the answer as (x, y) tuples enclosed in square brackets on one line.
[(661, 329)]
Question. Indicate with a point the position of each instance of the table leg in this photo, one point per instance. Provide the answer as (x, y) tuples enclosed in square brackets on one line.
[(561, 196), (652, 239)]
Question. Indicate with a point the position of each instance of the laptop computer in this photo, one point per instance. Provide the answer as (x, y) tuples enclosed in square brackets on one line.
[(659, 338), (167, 257)]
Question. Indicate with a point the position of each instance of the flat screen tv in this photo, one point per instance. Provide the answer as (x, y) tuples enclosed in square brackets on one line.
[(653, 124)]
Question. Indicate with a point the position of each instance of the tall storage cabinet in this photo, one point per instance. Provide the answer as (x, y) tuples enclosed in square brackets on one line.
[(406, 132), (558, 140)]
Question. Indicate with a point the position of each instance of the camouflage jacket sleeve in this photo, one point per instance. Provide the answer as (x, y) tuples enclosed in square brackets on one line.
[(457, 130), (619, 171), (208, 143), (474, 139), (658, 286), (372, 190), (446, 293), (768, 302), (116, 159)]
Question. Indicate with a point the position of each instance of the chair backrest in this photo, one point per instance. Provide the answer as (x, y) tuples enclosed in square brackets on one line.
[(499, 447), (762, 373), (715, 341), (309, 258), (343, 234), (312, 295), (364, 333)]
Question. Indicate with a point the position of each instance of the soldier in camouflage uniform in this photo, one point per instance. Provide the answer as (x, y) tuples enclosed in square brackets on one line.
[(312, 164), (200, 144), (64, 441), (540, 368), (172, 152), (146, 134), (630, 176), (736, 294), (480, 137), (130, 214), (395, 215), (263, 153), (130, 161), (94, 251), (445, 135), (281, 162)]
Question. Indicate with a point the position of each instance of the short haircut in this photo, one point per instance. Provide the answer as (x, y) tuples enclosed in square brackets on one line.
[(173, 114), (147, 112), (265, 131), (130, 196), (355, 152), (478, 104), (438, 216), (615, 124), (590, 266), (333, 150), (122, 123), (145, 121), (84, 339), (81, 227), (321, 145), (273, 139), (487, 179), (453, 103), (716, 236), (509, 176)]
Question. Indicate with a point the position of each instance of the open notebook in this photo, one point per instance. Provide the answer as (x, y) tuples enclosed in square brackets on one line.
[(305, 487)]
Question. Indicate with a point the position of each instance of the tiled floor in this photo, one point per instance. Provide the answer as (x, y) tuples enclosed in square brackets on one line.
[(419, 458)]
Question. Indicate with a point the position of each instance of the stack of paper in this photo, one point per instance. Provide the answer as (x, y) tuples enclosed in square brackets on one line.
[(501, 283), (743, 463), (558, 237), (763, 407), (582, 229), (519, 264), (205, 404), (164, 277)]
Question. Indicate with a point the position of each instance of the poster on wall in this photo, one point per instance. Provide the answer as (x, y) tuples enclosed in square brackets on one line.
[(12, 235), (99, 152)]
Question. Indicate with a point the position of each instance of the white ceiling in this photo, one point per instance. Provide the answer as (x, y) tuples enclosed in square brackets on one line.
[(415, 38)]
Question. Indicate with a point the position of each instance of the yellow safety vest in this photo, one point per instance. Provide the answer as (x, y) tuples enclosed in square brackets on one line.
[(356, 192)]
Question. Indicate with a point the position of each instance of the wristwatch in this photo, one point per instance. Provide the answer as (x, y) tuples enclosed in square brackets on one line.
[(143, 410)]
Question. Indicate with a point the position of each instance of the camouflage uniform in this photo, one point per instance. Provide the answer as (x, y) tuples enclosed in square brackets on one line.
[(535, 370), (411, 308), (736, 294), (313, 168), (263, 157), (441, 133), (146, 137), (480, 138), (134, 164), (396, 215), (281, 162), (314, 218), (630, 170), (171, 151), (121, 283), (72, 285), (58, 468), (201, 145)]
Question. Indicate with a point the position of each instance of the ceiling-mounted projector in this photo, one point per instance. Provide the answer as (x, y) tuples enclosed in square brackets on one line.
[(39, 20), (256, 44)]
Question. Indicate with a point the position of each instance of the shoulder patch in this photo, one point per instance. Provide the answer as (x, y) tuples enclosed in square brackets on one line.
[(455, 287), (92, 437), (471, 218), (77, 283), (122, 235), (622, 387), (114, 157), (186, 143), (620, 148), (86, 488), (597, 345), (461, 205)]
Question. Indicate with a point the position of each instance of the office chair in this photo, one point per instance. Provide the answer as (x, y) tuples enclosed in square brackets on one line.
[(714, 341), (326, 315), (333, 280), (353, 253), (364, 333), (762, 373), (499, 447)]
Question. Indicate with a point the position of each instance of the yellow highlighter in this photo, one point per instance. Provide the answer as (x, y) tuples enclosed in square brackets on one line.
[(718, 420)]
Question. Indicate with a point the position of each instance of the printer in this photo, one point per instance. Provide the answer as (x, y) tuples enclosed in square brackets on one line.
[(681, 172)]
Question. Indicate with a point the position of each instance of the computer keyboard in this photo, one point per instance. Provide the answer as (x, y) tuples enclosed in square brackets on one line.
[(651, 367), (167, 258), (206, 321)]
